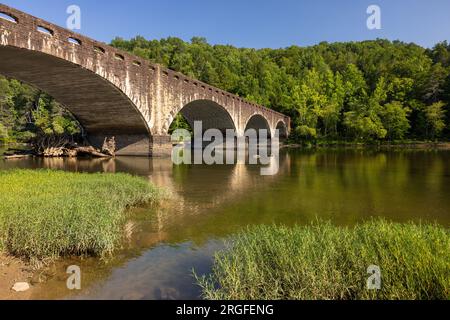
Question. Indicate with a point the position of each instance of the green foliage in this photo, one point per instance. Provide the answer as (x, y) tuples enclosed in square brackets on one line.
[(435, 119), (26, 112), (305, 132), (341, 91), (395, 119), (46, 214), (322, 261), (4, 136), (179, 123), (361, 91)]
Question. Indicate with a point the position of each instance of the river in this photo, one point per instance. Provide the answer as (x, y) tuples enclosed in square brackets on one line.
[(210, 203)]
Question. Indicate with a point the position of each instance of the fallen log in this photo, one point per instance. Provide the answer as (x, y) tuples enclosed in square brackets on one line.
[(72, 152), (54, 152), (17, 156), (91, 151)]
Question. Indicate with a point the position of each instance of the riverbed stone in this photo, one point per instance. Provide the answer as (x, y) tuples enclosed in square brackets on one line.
[(21, 286)]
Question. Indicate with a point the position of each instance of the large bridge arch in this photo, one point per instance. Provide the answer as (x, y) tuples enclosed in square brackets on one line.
[(99, 85), (105, 111)]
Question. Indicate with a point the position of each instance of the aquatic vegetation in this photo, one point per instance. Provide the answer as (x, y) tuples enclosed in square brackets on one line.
[(322, 261), (47, 214)]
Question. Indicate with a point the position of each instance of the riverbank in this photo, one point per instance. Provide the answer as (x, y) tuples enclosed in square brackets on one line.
[(395, 146), (322, 261), (13, 270), (46, 214)]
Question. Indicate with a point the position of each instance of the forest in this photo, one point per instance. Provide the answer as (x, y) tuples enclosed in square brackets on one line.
[(26, 114), (371, 92)]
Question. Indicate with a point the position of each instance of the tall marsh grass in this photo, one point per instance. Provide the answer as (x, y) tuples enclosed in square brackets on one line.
[(46, 214), (322, 261)]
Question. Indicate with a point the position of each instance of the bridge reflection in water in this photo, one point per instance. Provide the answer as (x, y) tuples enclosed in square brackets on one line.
[(173, 222), (227, 181)]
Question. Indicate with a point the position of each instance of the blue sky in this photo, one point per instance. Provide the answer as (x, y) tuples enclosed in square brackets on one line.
[(252, 23)]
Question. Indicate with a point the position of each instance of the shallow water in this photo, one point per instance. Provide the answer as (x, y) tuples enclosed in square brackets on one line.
[(211, 203)]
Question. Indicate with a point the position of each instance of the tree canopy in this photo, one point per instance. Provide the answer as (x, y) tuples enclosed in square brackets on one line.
[(356, 91), (26, 112), (359, 91)]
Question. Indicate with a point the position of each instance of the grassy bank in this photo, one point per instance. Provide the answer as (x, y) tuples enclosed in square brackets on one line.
[(46, 214), (322, 261)]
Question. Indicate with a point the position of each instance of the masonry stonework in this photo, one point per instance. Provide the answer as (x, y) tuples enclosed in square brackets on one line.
[(113, 93)]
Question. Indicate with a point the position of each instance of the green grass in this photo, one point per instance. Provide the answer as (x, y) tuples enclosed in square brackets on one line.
[(47, 214), (322, 261)]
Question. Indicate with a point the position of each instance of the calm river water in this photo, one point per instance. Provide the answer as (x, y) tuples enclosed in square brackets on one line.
[(209, 203)]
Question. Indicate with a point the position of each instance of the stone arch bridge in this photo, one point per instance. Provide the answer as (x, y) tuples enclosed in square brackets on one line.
[(113, 93)]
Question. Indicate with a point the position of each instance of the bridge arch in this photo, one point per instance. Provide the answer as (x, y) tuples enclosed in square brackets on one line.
[(103, 111), (258, 122), (210, 113), (282, 130)]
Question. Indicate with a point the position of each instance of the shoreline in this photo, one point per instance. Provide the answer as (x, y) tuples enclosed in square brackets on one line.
[(321, 261), (12, 270), (406, 145), (48, 242), (442, 145)]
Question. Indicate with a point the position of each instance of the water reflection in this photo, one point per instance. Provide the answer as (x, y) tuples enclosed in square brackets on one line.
[(211, 202)]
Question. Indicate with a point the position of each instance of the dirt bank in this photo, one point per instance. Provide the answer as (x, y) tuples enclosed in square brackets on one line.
[(13, 270)]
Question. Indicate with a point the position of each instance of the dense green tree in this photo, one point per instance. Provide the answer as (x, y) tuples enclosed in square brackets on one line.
[(26, 112), (394, 117), (435, 115), (433, 86), (441, 53), (179, 123)]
